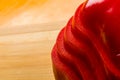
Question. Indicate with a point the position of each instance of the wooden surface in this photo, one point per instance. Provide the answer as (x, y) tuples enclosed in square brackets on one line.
[(26, 44), (26, 54)]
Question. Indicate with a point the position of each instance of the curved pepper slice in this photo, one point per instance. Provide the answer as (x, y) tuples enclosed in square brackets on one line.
[(88, 48)]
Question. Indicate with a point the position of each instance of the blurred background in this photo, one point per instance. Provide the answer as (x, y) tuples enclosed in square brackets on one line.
[(28, 30), (22, 12)]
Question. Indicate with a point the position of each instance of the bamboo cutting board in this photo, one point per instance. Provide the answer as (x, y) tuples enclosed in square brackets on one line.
[(26, 51), (27, 38)]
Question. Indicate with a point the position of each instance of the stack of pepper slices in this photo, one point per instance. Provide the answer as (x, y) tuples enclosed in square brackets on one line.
[(88, 47)]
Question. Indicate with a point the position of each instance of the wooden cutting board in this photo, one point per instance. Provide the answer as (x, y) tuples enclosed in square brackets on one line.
[(26, 41), (26, 51)]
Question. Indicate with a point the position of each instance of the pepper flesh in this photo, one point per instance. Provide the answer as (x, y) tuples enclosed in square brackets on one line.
[(88, 48)]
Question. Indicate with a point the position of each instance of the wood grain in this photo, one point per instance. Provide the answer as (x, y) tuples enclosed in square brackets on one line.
[(26, 55), (26, 41)]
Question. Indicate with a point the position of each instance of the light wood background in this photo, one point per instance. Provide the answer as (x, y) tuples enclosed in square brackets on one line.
[(26, 40)]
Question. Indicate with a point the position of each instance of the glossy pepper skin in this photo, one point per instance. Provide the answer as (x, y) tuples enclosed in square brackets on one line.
[(88, 47)]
